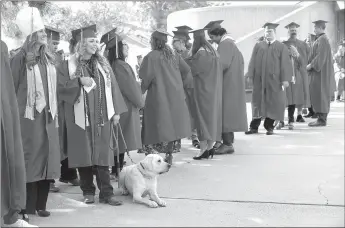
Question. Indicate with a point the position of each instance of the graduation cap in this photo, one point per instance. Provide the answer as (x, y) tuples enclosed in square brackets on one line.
[(53, 33), (107, 37), (111, 39), (292, 24), (161, 35), (213, 25), (198, 32), (269, 25), (320, 22), (85, 32), (179, 35), (183, 28)]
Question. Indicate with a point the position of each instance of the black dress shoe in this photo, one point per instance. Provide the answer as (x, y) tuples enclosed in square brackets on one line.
[(317, 123), (251, 131), (300, 119), (43, 213), (224, 149), (269, 132), (205, 154), (111, 201)]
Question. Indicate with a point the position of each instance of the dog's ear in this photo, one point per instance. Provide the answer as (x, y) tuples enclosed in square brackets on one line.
[(147, 163)]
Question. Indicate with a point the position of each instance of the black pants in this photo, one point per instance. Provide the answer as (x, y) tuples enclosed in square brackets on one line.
[(311, 110), (114, 168), (37, 195), (228, 138), (268, 124), (67, 174), (291, 111), (102, 178)]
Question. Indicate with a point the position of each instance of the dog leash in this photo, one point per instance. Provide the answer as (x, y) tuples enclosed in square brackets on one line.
[(115, 136)]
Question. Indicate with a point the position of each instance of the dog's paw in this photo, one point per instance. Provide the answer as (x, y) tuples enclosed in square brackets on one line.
[(153, 204), (162, 203)]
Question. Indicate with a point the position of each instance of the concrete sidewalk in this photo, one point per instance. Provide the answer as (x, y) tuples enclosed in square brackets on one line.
[(293, 178)]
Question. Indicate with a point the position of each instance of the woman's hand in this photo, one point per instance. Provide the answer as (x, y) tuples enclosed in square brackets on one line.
[(86, 81), (116, 119), (30, 60)]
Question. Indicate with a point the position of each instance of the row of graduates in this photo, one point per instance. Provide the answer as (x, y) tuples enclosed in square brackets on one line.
[(303, 77), (66, 109)]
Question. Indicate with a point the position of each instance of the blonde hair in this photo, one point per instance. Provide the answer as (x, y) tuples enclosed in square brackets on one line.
[(80, 50)]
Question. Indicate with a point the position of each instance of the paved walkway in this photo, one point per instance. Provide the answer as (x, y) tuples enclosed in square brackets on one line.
[(293, 178)]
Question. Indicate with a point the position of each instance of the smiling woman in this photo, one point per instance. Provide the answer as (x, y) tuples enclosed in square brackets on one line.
[(93, 104)]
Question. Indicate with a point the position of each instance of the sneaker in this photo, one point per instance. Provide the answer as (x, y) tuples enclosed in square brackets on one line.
[(20, 223)]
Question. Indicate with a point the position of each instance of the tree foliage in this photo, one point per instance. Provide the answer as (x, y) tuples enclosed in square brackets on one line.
[(143, 16)]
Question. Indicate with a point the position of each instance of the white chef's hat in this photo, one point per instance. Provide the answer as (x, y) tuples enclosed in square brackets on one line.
[(29, 21)]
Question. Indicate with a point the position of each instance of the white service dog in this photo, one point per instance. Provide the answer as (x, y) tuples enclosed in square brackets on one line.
[(140, 180)]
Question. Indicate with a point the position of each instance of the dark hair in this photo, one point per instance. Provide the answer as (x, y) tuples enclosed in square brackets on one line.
[(161, 45), (72, 45), (218, 32), (112, 52), (200, 41)]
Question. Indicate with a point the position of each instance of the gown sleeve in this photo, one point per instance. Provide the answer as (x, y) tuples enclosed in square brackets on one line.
[(226, 53), (128, 85), (118, 101), (18, 67), (187, 78), (68, 89), (146, 73), (320, 58), (285, 65), (251, 66)]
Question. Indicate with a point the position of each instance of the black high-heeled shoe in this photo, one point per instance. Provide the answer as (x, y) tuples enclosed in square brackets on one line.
[(205, 154)]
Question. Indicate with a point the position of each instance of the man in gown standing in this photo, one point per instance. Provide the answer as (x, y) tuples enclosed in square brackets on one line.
[(234, 117), (322, 84), (271, 71), (298, 92)]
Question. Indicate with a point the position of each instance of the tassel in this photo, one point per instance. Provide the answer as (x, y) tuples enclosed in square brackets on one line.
[(32, 23), (117, 52)]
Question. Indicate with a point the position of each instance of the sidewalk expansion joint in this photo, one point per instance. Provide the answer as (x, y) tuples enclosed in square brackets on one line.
[(256, 202)]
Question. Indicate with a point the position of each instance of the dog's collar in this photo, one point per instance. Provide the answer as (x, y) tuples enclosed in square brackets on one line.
[(143, 173)]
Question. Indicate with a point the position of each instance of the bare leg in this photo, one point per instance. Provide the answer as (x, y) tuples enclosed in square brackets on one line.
[(203, 147)]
